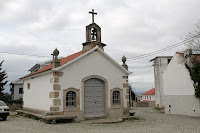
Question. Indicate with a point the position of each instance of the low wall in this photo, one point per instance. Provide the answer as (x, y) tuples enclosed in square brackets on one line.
[(14, 106), (146, 104)]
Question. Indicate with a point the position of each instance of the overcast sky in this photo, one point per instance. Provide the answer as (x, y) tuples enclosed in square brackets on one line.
[(129, 27)]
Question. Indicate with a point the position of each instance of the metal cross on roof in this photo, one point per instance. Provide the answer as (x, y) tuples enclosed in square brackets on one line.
[(93, 15)]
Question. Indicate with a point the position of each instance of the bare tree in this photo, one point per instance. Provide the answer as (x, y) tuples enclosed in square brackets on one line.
[(194, 39)]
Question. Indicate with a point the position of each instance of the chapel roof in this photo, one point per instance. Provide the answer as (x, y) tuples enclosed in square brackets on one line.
[(150, 92), (50, 66), (72, 58)]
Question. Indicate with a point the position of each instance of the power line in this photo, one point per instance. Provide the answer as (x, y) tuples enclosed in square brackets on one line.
[(161, 50), (141, 67), (24, 54), (131, 58)]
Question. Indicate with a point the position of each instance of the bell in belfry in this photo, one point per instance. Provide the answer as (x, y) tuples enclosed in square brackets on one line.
[(94, 34)]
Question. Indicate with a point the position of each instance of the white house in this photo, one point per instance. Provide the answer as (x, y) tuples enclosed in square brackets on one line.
[(178, 88), (16, 88), (160, 64), (149, 95), (87, 84)]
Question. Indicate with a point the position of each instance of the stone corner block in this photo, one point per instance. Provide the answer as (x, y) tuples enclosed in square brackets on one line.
[(53, 94), (54, 108), (56, 102), (125, 85), (127, 91), (56, 87), (125, 77), (127, 97), (59, 74), (55, 80)]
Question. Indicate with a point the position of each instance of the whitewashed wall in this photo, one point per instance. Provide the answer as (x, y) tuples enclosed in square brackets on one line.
[(178, 90), (16, 91), (92, 64), (176, 78), (159, 68), (37, 96)]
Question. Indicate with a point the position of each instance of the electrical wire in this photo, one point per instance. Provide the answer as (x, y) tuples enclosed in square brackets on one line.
[(24, 54), (128, 59), (161, 50)]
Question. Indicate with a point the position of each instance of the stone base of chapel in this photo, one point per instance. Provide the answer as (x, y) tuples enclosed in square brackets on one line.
[(112, 113)]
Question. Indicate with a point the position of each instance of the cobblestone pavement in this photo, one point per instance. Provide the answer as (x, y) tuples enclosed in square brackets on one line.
[(151, 121)]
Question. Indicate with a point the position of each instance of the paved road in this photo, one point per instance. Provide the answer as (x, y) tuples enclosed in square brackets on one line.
[(151, 122)]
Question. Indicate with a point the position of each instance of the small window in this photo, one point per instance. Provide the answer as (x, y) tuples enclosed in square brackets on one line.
[(168, 61), (20, 90), (150, 97), (116, 98), (71, 99), (28, 86)]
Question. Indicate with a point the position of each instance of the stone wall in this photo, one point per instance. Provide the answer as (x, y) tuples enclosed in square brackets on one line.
[(146, 104), (14, 106)]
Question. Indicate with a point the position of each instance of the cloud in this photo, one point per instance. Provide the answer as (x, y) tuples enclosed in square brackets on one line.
[(129, 28)]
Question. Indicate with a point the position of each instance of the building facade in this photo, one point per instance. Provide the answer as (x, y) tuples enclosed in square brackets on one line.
[(160, 64), (178, 88), (149, 95), (16, 88)]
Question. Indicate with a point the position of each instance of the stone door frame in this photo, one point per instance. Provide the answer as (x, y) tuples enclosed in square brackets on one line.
[(105, 92)]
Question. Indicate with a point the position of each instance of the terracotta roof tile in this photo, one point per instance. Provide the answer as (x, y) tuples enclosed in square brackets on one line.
[(144, 101), (69, 58), (50, 66), (196, 57), (181, 54), (150, 92), (62, 62)]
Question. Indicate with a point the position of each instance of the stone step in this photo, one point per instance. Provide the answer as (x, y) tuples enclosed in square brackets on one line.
[(48, 119), (102, 121)]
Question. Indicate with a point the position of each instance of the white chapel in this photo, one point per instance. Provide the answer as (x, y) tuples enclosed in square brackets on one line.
[(86, 84)]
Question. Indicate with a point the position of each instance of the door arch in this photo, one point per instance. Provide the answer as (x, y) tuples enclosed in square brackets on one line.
[(94, 98), (105, 92)]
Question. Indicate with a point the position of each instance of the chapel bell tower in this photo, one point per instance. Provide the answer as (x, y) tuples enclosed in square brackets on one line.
[(93, 35)]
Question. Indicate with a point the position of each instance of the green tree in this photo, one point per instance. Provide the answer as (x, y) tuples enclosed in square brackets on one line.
[(3, 76), (194, 69)]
